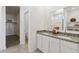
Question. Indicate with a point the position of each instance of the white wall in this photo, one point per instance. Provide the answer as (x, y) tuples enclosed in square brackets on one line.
[(2, 28), (33, 25), (22, 26), (38, 21)]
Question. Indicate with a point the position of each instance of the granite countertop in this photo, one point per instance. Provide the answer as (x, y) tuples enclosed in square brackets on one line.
[(61, 36)]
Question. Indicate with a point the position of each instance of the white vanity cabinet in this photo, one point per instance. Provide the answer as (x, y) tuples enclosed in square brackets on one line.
[(65, 49), (48, 44), (39, 41), (54, 45), (43, 43)]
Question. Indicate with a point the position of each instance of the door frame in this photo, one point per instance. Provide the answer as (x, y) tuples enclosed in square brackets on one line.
[(27, 12), (22, 40), (3, 29)]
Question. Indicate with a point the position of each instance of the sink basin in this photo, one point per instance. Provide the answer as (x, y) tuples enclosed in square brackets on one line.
[(47, 33)]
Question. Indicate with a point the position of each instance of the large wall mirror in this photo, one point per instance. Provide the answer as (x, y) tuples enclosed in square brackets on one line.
[(66, 18), (72, 18), (57, 17)]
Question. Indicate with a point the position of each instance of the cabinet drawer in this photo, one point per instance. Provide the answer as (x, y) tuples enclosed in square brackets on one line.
[(69, 44)]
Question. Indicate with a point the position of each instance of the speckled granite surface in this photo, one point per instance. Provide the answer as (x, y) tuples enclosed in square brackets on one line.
[(62, 36)]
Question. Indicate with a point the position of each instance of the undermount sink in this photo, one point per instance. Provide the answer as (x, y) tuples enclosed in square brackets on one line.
[(47, 33)]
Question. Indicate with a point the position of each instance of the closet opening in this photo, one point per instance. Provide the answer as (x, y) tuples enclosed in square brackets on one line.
[(26, 19), (12, 26)]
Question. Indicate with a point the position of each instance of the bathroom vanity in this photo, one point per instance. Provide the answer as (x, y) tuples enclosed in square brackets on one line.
[(67, 19), (57, 43)]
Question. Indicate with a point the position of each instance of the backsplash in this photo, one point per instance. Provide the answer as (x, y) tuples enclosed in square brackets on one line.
[(75, 35)]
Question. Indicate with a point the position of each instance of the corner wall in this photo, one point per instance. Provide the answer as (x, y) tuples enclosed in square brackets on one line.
[(38, 21)]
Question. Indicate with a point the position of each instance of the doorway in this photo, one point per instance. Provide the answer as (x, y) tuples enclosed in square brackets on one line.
[(26, 19), (12, 26)]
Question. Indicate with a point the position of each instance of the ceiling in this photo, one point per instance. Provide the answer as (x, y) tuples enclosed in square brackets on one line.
[(53, 8), (12, 9)]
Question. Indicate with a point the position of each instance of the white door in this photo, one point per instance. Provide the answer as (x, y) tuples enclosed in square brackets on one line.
[(45, 44), (54, 45)]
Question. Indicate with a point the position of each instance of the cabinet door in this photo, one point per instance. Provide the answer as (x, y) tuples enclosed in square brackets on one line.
[(65, 49), (39, 41), (45, 44), (68, 47), (54, 45)]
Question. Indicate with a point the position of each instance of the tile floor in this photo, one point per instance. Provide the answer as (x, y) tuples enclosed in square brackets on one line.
[(12, 40), (13, 46), (19, 49)]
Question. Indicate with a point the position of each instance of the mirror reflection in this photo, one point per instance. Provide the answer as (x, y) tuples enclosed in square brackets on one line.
[(58, 18), (72, 18)]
